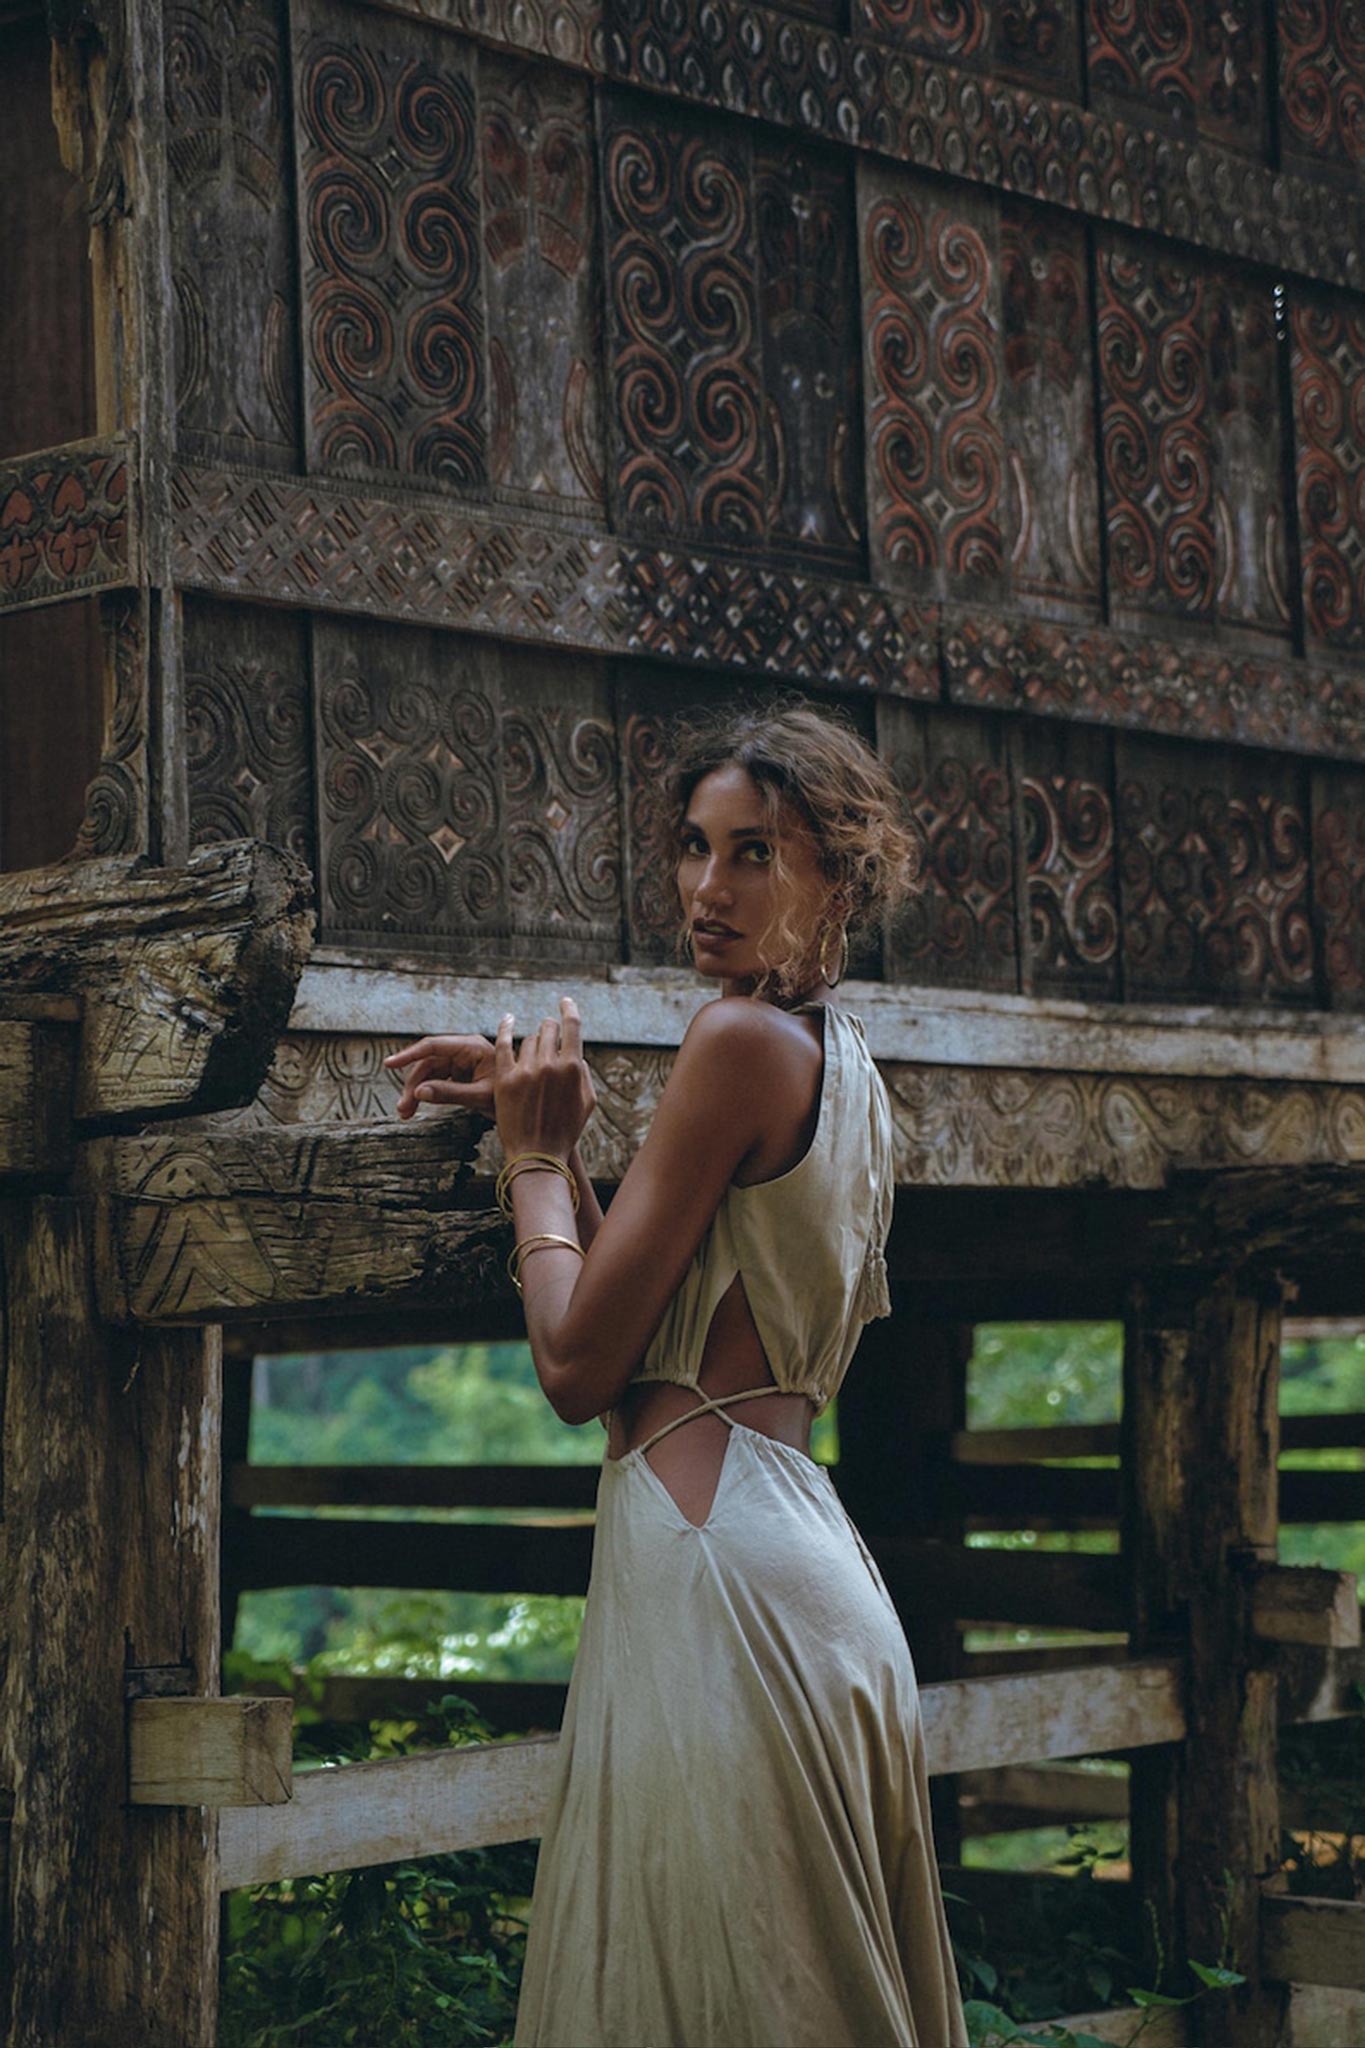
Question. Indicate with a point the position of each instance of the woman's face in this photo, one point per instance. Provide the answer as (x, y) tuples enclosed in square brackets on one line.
[(730, 893)]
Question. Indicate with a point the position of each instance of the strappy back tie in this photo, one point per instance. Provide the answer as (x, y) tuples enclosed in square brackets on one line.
[(725, 1401)]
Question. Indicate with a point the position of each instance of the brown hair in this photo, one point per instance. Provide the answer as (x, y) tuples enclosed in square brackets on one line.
[(815, 766)]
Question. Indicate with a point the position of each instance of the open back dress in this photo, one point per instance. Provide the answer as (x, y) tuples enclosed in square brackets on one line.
[(738, 1851)]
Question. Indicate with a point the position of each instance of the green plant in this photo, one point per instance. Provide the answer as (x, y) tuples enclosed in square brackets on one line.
[(427, 1952)]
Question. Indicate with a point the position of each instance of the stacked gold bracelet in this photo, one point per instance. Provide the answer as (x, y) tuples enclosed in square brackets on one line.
[(534, 1244), (532, 1162)]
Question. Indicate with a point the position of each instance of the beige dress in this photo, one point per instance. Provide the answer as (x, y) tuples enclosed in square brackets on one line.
[(738, 1851)]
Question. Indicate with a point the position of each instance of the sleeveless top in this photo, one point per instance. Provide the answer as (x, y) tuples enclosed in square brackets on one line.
[(810, 1243)]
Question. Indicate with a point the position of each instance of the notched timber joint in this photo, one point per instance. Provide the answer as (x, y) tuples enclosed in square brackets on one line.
[(1305, 1604), (210, 1752)]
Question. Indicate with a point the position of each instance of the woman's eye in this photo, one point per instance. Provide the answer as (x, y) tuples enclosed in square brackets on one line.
[(759, 851), (692, 845)]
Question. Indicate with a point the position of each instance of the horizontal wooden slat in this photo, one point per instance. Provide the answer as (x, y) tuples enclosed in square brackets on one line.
[(455, 1799), (1072, 1589), (1060, 1496), (1314, 1941), (413, 1486), (1342, 1431), (229, 1752), (1131, 2024), (1306, 1604)]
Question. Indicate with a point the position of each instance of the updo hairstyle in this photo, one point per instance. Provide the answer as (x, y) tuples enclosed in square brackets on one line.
[(811, 766)]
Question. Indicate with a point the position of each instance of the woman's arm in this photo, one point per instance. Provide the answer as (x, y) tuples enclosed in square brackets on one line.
[(589, 1208), (590, 1321)]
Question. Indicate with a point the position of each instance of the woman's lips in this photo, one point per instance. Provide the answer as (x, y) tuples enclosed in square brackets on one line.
[(713, 938)]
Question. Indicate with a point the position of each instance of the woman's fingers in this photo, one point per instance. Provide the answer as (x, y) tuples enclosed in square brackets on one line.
[(548, 1036), (570, 1028), (504, 1059)]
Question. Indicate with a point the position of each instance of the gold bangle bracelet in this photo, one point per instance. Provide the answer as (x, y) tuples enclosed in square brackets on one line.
[(533, 1162), (536, 1243)]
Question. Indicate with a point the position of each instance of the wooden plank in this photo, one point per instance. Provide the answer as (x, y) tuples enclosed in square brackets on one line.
[(362, 1814), (1076, 1497), (1036, 1795), (37, 1078), (926, 1579), (498, 1792), (1131, 2024), (233, 1751), (186, 974), (1317, 1684), (1320, 2017), (1020, 1446), (1314, 1941), (1306, 1604), (947, 1027), (976, 1723), (413, 1486)]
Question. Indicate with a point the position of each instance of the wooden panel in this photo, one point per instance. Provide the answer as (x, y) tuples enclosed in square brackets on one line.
[(1314, 1941), (1199, 64), (1158, 464), (389, 216), (1251, 576), (808, 309), (684, 373), (1338, 807), (1062, 778), (931, 321), (1035, 40), (540, 231), (47, 393), (1322, 86), (1053, 513), (1328, 368), (233, 251), (468, 791), (1213, 868), (248, 731), (958, 926)]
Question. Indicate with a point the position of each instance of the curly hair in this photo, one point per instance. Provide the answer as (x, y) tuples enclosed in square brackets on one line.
[(811, 767)]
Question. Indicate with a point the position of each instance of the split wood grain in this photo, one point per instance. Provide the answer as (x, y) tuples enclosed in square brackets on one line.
[(186, 975)]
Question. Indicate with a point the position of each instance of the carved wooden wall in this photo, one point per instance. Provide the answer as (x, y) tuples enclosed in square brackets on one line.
[(537, 372)]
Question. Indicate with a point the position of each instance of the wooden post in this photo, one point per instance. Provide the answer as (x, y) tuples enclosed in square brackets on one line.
[(1202, 1428), (110, 1566)]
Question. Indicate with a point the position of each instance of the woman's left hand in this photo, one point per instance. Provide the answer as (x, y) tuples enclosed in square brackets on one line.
[(543, 1095)]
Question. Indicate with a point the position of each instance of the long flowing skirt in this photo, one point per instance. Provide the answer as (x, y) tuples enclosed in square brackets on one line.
[(738, 1849)]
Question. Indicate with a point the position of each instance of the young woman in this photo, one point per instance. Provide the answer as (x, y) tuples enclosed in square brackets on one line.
[(738, 1851)]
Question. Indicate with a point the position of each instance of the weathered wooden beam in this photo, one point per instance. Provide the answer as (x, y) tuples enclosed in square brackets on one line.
[(467, 1798), (108, 1557), (1306, 1604), (233, 1751), (1314, 1941), (1317, 1684), (186, 975), (1131, 2025), (37, 1080), (1038, 1795), (245, 1224), (1344, 1430)]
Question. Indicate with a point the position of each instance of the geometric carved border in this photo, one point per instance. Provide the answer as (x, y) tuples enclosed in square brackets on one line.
[(955, 1126), (761, 62), (429, 562), (422, 561), (66, 524)]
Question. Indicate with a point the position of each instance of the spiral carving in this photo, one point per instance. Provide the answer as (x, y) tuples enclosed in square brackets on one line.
[(1328, 379), (391, 273)]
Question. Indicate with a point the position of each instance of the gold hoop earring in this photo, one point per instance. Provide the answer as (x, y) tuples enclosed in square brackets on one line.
[(833, 980)]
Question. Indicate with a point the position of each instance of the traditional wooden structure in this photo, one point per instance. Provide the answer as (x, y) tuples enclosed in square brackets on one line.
[(430, 397)]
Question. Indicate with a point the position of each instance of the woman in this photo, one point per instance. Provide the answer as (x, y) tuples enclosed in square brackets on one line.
[(738, 1848)]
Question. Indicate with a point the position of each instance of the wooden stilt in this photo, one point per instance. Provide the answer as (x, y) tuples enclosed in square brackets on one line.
[(110, 1566)]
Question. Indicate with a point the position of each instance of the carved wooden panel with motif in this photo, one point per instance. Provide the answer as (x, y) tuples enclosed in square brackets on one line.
[(1213, 875), (935, 444), (541, 276), (234, 258), (248, 725), (958, 928), (467, 801), (389, 223)]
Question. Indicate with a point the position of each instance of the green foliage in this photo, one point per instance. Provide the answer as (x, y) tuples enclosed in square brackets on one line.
[(427, 1952)]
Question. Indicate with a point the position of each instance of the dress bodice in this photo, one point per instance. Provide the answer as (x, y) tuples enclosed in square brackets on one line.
[(809, 1243)]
